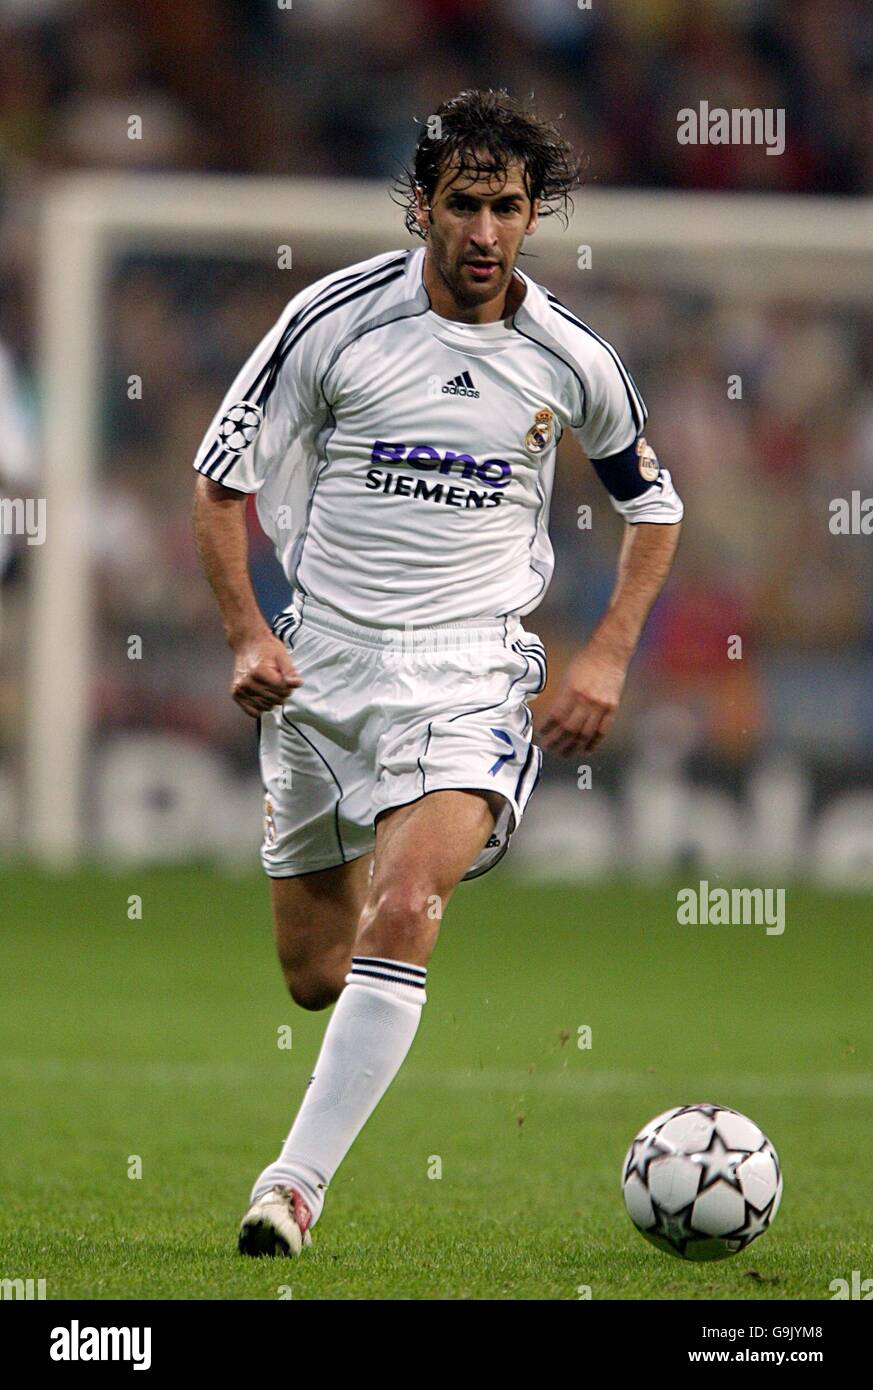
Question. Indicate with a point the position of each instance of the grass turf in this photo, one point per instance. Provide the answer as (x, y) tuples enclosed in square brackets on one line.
[(159, 1039)]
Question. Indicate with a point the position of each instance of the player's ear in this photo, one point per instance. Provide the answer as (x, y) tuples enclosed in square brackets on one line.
[(422, 213), (534, 217)]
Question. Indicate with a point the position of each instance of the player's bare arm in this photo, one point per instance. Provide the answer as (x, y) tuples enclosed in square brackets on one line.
[(586, 705), (263, 672), (404, 415)]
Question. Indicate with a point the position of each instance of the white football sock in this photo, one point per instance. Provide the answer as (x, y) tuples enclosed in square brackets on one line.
[(371, 1031)]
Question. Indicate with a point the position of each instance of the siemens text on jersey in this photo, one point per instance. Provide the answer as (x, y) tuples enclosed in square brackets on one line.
[(415, 455)]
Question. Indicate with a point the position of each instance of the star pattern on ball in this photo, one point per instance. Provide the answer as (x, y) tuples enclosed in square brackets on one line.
[(711, 1185), (755, 1224), (676, 1228), (719, 1162), (643, 1151)]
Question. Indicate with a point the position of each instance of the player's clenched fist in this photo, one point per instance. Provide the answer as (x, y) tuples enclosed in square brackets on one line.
[(583, 711), (263, 675)]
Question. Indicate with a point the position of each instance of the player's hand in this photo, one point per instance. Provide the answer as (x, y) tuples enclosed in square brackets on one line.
[(263, 674), (582, 713)]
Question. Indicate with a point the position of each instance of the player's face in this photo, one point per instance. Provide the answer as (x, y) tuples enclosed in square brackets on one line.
[(475, 232)]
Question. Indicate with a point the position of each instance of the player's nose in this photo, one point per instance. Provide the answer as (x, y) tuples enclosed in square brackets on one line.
[(483, 233)]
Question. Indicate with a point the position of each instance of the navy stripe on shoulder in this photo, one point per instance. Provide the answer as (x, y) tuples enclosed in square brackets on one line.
[(562, 356), (261, 388), (216, 455), (637, 404)]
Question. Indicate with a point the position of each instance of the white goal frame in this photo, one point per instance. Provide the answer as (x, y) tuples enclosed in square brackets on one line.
[(754, 246)]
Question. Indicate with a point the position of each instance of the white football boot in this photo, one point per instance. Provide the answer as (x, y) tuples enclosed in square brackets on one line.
[(276, 1224)]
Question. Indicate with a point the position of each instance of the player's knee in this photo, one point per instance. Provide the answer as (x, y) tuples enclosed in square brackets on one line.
[(396, 918)]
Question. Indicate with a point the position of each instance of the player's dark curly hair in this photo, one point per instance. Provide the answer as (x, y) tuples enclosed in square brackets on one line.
[(485, 132)]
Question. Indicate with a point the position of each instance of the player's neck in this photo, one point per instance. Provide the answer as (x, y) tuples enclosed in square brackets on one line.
[(444, 303)]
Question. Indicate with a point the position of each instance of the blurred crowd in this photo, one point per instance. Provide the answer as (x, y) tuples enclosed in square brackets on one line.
[(758, 475), (329, 86), (332, 88)]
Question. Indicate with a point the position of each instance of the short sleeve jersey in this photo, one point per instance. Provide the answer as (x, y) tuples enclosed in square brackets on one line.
[(403, 463)]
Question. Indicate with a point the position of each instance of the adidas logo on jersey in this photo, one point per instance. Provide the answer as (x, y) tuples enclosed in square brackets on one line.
[(461, 386)]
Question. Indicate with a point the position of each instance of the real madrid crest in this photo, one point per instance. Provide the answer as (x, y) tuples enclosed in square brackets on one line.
[(649, 466), (541, 433), (269, 822)]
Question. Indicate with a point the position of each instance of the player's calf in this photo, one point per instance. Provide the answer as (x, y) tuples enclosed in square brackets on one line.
[(313, 987), (316, 917)]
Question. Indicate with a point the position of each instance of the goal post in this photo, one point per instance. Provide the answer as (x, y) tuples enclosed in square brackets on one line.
[(817, 250)]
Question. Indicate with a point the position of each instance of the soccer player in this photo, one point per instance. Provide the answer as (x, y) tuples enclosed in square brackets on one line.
[(398, 426)]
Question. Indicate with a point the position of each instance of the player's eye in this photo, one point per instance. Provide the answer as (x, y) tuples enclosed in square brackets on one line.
[(466, 206)]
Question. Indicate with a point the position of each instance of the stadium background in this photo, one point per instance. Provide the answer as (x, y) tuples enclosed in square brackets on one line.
[(123, 1037), (332, 91)]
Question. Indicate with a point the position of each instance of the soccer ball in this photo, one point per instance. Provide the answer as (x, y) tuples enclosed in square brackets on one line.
[(701, 1182), (239, 425)]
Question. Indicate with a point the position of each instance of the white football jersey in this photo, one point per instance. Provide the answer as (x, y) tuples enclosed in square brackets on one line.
[(403, 462)]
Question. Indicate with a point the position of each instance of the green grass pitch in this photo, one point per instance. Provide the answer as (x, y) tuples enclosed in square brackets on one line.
[(159, 1039)]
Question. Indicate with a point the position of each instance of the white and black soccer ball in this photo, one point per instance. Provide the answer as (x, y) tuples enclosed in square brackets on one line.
[(701, 1182), (239, 426)]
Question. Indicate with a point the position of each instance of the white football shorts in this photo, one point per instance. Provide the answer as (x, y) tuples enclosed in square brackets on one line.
[(385, 716)]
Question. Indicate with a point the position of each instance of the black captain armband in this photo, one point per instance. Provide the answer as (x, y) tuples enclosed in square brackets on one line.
[(629, 473)]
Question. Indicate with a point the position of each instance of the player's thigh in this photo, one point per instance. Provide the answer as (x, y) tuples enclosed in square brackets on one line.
[(315, 919), (422, 852), (434, 837)]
